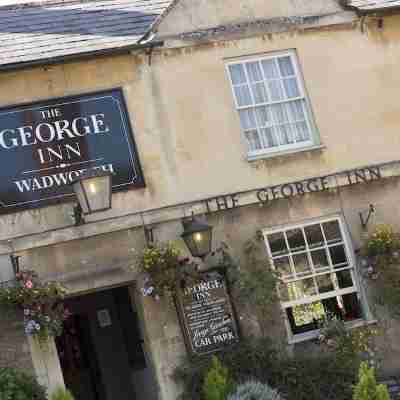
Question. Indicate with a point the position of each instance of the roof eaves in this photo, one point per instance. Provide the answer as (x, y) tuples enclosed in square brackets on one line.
[(79, 56)]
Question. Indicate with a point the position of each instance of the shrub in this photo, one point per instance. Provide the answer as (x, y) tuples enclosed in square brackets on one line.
[(254, 391), (217, 383), (16, 385), (61, 394), (327, 375), (367, 388)]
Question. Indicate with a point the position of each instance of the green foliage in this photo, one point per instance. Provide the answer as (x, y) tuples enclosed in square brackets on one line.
[(165, 267), (16, 385), (253, 390), (61, 394), (351, 344), (217, 383), (367, 388), (327, 375), (382, 240), (256, 283), (382, 250), (41, 302)]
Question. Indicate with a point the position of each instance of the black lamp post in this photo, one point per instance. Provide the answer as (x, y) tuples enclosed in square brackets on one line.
[(93, 189), (198, 237)]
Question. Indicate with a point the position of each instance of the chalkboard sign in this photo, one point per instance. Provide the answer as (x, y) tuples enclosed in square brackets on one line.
[(207, 316)]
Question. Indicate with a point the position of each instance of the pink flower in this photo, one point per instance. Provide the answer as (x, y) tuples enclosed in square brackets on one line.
[(29, 284)]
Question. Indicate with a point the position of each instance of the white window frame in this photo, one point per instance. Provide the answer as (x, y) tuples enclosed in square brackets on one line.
[(356, 288), (309, 119)]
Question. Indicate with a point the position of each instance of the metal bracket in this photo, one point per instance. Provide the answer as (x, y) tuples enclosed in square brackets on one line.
[(364, 222), (149, 234), (15, 263), (78, 215)]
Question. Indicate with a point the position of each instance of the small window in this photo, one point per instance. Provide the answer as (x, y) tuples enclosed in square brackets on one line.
[(273, 111), (316, 274)]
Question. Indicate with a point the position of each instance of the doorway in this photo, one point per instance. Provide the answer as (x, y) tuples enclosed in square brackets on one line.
[(101, 349)]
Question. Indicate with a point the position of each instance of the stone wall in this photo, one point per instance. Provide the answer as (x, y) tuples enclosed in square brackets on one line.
[(14, 346)]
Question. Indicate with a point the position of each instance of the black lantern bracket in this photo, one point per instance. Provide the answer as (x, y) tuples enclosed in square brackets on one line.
[(78, 215), (364, 220), (15, 263)]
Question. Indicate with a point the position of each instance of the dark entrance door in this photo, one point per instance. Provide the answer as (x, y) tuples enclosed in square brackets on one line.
[(100, 350)]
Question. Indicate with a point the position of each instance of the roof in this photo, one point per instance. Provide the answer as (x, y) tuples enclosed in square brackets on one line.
[(56, 29), (373, 5)]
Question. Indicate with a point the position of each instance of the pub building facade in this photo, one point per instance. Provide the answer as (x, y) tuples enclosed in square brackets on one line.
[(277, 117)]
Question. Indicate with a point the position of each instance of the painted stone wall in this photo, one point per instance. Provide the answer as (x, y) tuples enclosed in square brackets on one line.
[(182, 101), (190, 15)]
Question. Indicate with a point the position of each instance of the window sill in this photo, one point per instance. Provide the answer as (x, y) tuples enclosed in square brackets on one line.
[(264, 156), (302, 337)]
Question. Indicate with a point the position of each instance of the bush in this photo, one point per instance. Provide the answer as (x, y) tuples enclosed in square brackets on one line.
[(16, 385), (217, 383), (327, 375), (254, 391), (61, 394), (367, 388)]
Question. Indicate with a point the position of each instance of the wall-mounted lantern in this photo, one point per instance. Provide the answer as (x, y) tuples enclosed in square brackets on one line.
[(198, 237), (93, 189)]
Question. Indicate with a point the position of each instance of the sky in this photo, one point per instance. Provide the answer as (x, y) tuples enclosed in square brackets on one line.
[(8, 2)]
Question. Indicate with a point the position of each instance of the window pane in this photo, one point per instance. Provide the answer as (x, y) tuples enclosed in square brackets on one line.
[(247, 119), (344, 279), (295, 110), (263, 116), (284, 134), (269, 138), (320, 259), (306, 317), (314, 235), (332, 231), (254, 71), (282, 266), (253, 140), (324, 283), (279, 114), (291, 88), (301, 264), (338, 256), (237, 74), (259, 93), (302, 131), (286, 66), (301, 289), (277, 243), (242, 94), (270, 69), (351, 307), (296, 239), (276, 91)]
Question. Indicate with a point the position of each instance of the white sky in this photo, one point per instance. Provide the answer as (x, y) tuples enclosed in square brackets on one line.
[(8, 2)]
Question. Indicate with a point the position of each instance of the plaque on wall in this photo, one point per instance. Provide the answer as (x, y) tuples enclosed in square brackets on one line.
[(45, 145), (207, 316)]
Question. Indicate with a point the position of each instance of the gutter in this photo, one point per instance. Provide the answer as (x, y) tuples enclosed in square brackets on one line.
[(80, 56)]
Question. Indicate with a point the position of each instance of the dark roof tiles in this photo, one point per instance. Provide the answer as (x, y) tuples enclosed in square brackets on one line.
[(41, 31), (373, 5)]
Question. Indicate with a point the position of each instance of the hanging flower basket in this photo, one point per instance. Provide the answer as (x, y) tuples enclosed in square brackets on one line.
[(165, 269), (41, 303)]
